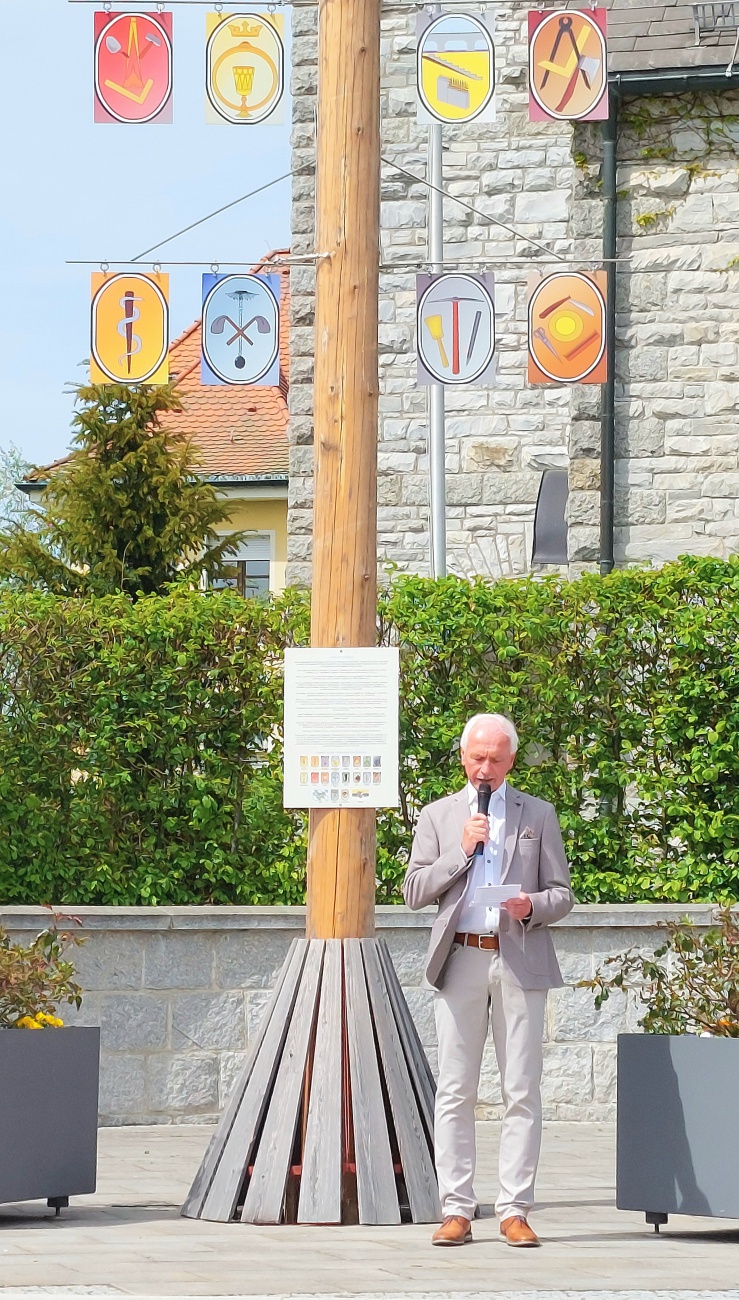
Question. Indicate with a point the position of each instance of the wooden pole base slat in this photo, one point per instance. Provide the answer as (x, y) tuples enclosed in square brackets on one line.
[(266, 1192), (320, 1182), (378, 1202), (415, 1155), (238, 1148), (201, 1186), (334, 1097)]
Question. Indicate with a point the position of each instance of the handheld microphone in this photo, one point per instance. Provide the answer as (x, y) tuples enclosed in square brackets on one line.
[(483, 803)]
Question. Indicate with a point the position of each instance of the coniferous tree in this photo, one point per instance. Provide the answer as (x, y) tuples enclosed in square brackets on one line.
[(126, 512)]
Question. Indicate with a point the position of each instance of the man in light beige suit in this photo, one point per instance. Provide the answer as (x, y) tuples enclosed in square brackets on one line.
[(485, 961)]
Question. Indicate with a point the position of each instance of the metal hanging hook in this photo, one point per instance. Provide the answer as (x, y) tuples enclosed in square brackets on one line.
[(156, 267), (215, 268), (105, 267)]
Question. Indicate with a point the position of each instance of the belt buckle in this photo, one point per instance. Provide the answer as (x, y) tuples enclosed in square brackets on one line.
[(488, 942)]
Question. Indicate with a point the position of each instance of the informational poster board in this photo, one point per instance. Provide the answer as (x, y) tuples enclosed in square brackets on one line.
[(341, 728)]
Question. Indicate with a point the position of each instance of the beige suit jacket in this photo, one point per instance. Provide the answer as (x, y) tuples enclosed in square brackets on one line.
[(533, 857)]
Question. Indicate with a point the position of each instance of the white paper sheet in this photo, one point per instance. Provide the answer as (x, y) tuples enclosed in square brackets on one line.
[(494, 895), (341, 728)]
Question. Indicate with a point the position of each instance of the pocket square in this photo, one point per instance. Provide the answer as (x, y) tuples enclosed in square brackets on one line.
[(529, 834)]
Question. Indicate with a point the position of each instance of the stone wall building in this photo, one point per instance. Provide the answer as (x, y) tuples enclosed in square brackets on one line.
[(677, 334)]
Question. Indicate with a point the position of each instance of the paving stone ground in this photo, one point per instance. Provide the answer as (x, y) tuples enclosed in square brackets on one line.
[(128, 1239)]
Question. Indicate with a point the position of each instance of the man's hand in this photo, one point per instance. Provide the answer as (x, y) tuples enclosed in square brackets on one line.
[(475, 830), (519, 908)]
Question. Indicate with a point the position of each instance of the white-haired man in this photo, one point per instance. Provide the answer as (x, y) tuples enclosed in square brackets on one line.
[(486, 961)]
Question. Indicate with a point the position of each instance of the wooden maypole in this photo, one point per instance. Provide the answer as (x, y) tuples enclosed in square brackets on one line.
[(341, 854), (332, 1118)]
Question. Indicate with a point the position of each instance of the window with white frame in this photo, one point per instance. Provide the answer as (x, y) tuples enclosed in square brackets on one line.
[(248, 567)]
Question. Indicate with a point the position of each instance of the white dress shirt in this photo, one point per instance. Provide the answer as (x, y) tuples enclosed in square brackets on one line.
[(475, 918)]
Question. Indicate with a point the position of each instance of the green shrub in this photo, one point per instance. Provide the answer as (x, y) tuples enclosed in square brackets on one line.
[(140, 745)]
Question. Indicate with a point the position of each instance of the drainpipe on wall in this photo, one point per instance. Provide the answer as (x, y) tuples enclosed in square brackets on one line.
[(608, 399)]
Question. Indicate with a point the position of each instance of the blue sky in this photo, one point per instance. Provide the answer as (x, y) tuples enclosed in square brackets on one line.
[(73, 189)]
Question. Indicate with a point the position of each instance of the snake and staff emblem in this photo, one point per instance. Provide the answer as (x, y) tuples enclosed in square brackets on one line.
[(131, 314), (132, 308)]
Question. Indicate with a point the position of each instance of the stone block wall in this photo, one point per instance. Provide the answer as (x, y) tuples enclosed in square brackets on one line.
[(677, 369), (178, 993)]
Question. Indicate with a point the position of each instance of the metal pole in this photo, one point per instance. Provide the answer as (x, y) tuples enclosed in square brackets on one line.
[(608, 407), (437, 464)]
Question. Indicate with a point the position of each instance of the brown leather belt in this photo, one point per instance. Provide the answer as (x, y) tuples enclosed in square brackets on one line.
[(486, 941)]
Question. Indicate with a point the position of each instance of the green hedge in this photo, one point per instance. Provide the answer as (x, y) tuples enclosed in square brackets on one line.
[(140, 745)]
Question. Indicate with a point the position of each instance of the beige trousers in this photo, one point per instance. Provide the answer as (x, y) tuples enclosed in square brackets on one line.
[(473, 986)]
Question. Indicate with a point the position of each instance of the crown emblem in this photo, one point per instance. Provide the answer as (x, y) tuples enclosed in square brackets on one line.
[(245, 28)]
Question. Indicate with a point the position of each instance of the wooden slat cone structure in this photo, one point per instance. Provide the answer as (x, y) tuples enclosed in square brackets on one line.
[(331, 1120)]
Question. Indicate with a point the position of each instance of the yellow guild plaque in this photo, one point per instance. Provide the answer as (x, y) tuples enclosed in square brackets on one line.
[(455, 69), (129, 329), (244, 67)]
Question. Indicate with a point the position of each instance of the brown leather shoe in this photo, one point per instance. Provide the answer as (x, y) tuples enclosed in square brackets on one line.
[(454, 1231), (518, 1233)]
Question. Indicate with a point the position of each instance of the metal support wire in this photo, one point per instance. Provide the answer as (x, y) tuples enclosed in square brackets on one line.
[(250, 195), (484, 216), (213, 264)]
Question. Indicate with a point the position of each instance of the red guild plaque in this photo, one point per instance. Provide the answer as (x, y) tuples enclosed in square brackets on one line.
[(133, 67)]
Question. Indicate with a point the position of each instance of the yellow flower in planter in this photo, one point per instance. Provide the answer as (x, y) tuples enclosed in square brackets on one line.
[(45, 1019), (27, 1022)]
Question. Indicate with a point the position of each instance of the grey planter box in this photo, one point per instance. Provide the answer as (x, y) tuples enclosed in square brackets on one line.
[(48, 1113), (677, 1148)]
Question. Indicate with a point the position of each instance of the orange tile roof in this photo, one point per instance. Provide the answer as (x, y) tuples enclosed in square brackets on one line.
[(239, 431)]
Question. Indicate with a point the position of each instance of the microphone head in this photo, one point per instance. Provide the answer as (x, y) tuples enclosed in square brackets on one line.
[(484, 791)]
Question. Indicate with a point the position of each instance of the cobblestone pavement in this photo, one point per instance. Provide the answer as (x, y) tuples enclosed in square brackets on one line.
[(129, 1238)]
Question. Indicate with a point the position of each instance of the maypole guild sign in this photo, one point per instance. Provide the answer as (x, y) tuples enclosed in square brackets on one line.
[(568, 65), (455, 68), (129, 329), (133, 67), (455, 329), (567, 328), (244, 68), (241, 330)]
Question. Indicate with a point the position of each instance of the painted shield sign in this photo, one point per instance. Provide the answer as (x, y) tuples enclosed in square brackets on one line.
[(455, 68), (129, 329), (568, 67), (244, 68), (567, 329), (133, 67), (241, 330), (455, 329)]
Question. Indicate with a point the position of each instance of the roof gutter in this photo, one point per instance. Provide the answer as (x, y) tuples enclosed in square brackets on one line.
[(214, 480), (246, 480), (672, 81)]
